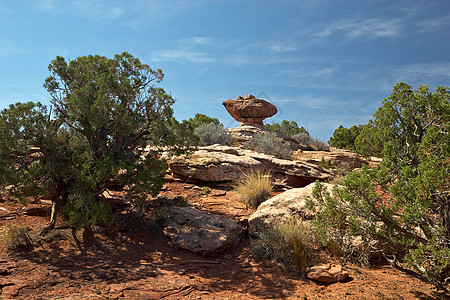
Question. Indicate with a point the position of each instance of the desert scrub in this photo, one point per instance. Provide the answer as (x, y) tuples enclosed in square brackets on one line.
[(211, 133), (254, 188), (310, 143), (289, 243), (16, 238), (270, 143)]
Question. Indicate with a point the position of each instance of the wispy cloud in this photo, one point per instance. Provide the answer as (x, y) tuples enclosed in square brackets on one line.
[(45, 5), (180, 55), (196, 40), (424, 72), (434, 24), (8, 48), (310, 101), (97, 9), (311, 72), (369, 28)]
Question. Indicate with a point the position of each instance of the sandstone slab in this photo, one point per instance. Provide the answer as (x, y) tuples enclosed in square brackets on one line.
[(200, 232), (328, 273), (282, 207)]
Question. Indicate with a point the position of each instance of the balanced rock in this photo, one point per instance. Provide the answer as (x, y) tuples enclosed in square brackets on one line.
[(328, 273), (249, 110), (200, 232)]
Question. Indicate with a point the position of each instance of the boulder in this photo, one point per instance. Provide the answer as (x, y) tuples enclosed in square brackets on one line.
[(328, 273), (249, 110), (200, 232), (282, 207), (218, 163)]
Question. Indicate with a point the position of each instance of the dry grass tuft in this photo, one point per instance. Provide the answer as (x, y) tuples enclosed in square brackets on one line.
[(289, 243), (16, 238), (254, 188)]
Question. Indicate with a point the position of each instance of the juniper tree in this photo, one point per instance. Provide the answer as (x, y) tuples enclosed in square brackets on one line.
[(404, 204), (108, 120)]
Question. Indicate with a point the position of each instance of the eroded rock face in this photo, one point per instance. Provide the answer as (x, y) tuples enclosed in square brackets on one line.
[(200, 232), (249, 110), (283, 207), (335, 157), (218, 163), (328, 273)]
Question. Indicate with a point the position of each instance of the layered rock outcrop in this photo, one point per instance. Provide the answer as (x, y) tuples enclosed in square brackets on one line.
[(249, 110), (218, 163)]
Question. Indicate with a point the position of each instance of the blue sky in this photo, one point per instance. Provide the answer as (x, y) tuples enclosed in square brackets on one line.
[(322, 63)]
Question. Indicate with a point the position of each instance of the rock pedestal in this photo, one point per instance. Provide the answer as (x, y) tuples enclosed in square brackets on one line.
[(249, 110)]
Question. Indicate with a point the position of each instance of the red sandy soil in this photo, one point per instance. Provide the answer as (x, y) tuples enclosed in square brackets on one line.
[(140, 265)]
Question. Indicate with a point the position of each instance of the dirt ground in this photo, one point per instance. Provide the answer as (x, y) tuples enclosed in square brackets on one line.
[(139, 265)]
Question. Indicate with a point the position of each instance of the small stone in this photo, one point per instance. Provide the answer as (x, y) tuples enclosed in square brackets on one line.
[(328, 273)]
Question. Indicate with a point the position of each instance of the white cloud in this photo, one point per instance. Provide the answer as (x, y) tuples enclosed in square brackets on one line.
[(434, 24), (369, 28), (196, 40), (8, 48), (46, 5), (180, 55), (97, 9), (423, 72)]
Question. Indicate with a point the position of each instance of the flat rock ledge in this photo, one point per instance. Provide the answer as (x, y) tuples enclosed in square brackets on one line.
[(217, 163), (200, 232)]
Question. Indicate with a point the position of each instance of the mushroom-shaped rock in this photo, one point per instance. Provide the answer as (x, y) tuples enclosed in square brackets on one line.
[(249, 110)]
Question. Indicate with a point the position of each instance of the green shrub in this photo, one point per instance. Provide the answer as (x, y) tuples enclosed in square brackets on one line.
[(289, 243), (287, 128), (254, 188), (269, 143), (211, 133), (16, 238)]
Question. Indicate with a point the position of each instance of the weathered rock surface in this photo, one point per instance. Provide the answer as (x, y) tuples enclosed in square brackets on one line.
[(328, 273), (200, 232), (335, 156), (218, 163), (250, 110), (282, 207)]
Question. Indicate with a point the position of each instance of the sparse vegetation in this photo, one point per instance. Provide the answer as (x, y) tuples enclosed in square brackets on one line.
[(212, 133), (269, 143), (290, 243), (15, 238), (310, 143), (254, 187)]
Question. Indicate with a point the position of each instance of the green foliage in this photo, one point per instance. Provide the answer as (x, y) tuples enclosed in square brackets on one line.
[(287, 128), (105, 112), (269, 143), (201, 119), (404, 204), (211, 133), (289, 243), (254, 187), (344, 138)]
